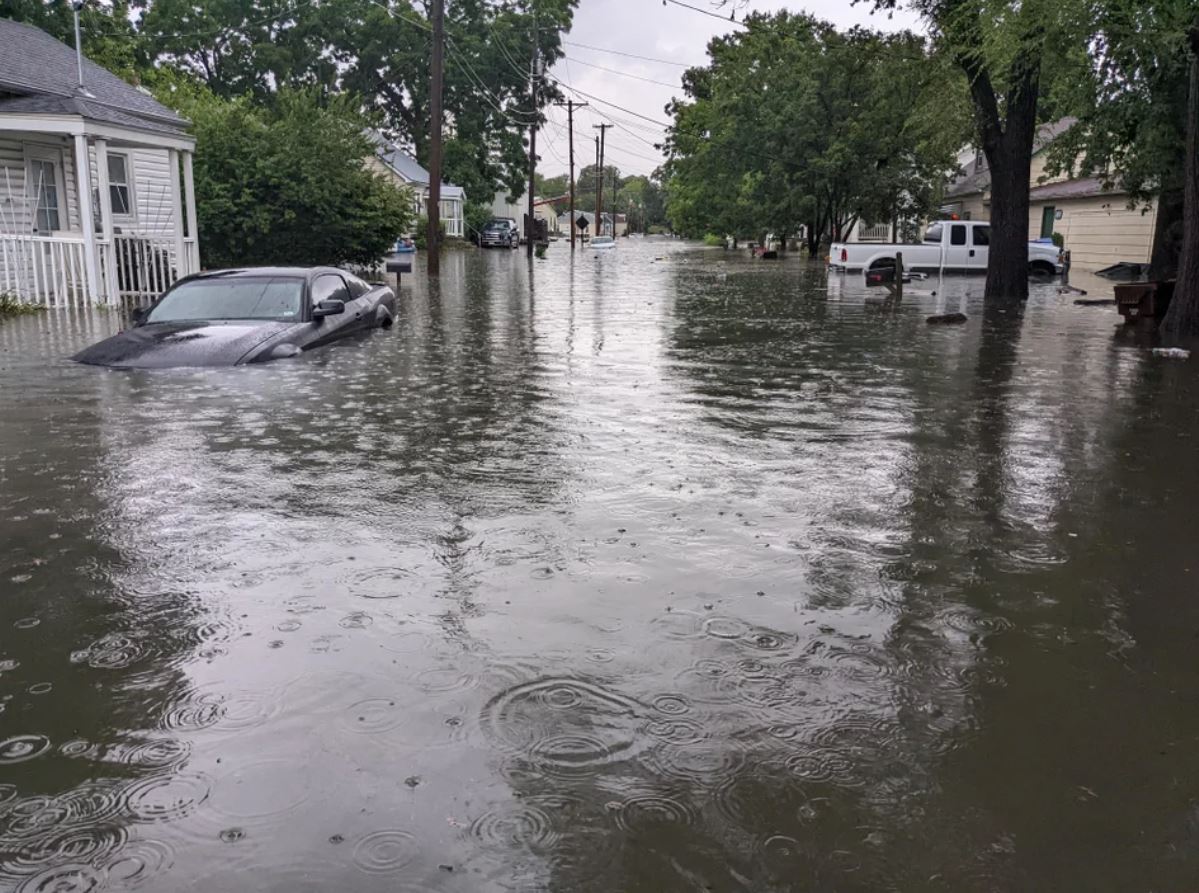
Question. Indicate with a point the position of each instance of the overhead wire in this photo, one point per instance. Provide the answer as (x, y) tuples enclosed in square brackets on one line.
[(707, 12), (586, 46)]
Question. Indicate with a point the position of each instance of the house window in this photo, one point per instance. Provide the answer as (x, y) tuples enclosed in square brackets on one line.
[(44, 179), (118, 184), (978, 159)]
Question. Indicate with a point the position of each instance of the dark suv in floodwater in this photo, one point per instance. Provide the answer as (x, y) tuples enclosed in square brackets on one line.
[(500, 232)]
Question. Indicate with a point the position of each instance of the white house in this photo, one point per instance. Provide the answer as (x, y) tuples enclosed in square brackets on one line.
[(95, 178), (392, 161)]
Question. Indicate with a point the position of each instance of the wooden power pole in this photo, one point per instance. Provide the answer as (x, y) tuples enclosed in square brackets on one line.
[(571, 105), (599, 199), (531, 226), (433, 238)]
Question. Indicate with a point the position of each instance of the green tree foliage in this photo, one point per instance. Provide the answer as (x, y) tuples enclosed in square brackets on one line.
[(1131, 110), (794, 123), (1011, 52), (287, 184), (379, 51)]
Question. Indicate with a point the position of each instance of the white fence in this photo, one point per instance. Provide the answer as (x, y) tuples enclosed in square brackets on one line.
[(52, 270), (877, 232)]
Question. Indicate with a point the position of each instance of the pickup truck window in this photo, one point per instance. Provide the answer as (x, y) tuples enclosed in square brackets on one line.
[(982, 235), (933, 234), (957, 234)]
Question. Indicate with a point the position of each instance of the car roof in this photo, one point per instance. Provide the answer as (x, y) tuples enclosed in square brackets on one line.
[(238, 272)]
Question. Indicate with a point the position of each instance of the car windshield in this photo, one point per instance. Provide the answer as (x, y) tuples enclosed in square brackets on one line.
[(495, 226), (933, 234), (243, 297)]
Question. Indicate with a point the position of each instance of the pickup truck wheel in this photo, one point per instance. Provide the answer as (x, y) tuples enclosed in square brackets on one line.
[(1040, 269)]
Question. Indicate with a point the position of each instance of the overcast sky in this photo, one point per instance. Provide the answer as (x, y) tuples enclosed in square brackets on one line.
[(660, 31)]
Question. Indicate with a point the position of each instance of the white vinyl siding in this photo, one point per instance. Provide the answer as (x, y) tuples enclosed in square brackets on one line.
[(17, 199), (15, 213), (152, 191)]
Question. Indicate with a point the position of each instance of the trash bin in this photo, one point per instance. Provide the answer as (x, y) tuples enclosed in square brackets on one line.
[(1143, 300)]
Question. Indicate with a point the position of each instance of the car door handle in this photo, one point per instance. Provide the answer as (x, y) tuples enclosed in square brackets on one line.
[(972, 252)]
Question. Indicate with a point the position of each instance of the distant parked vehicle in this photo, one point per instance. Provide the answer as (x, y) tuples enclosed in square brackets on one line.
[(603, 243), (404, 245), (235, 317), (954, 245), (500, 232)]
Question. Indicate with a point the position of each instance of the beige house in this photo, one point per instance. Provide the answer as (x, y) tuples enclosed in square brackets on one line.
[(1096, 223)]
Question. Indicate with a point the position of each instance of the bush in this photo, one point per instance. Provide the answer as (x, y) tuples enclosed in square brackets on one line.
[(287, 184), (713, 240), (11, 305), (421, 237), (1059, 240)]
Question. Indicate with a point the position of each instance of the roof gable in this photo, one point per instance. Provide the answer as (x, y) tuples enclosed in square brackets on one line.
[(34, 64), (977, 178), (409, 169)]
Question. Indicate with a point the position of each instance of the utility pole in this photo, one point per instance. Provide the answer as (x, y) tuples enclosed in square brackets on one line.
[(598, 186), (599, 201), (571, 105), (433, 238), (531, 226)]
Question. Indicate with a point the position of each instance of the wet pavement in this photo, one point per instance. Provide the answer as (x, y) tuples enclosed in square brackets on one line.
[(665, 570)]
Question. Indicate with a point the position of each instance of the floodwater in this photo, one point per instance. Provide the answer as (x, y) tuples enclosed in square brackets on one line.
[(664, 570)]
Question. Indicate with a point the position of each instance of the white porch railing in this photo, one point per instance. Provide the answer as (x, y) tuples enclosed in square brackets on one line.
[(52, 270), (46, 270), (877, 232), (146, 266)]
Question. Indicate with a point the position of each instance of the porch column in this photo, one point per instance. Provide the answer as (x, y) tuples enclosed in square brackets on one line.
[(181, 261), (108, 249), (83, 178), (193, 229)]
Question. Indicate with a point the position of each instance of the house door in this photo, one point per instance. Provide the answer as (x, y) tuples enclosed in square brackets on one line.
[(1047, 217), (45, 188)]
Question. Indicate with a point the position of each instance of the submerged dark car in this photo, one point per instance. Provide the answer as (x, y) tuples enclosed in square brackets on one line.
[(234, 317)]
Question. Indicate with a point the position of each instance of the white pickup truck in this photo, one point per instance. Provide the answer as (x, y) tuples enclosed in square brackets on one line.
[(957, 245)]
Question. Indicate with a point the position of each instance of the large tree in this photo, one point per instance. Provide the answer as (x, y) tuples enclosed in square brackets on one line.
[(379, 51), (1007, 49), (1183, 316), (1131, 109), (793, 122)]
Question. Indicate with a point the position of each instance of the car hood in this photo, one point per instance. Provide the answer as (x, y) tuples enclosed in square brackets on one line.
[(166, 344)]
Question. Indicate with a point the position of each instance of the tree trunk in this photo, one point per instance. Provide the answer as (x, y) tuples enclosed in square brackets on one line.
[(813, 239), (1167, 236), (1183, 317), (1007, 139), (1007, 263)]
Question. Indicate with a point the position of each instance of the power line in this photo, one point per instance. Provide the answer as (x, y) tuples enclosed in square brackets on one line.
[(622, 53), (610, 104), (707, 12), (626, 74)]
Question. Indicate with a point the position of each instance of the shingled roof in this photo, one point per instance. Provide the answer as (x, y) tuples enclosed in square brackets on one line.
[(979, 179), (41, 72)]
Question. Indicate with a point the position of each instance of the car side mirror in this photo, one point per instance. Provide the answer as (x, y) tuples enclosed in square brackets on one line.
[(138, 315), (328, 308)]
